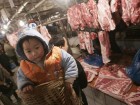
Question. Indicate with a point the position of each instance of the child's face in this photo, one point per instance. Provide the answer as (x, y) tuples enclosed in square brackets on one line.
[(33, 49)]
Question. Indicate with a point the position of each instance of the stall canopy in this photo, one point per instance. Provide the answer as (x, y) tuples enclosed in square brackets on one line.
[(39, 10)]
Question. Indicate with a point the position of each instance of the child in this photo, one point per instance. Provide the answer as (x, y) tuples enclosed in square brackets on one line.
[(81, 80), (39, 65)]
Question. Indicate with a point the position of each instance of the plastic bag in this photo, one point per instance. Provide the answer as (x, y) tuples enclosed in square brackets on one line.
[(133, 71), (94, 60)]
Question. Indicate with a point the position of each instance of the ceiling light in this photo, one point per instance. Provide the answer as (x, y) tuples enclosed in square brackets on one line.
[(3, 32), (21, 23), (5, 27)]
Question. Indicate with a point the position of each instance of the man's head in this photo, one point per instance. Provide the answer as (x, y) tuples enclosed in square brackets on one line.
[(59, 41)]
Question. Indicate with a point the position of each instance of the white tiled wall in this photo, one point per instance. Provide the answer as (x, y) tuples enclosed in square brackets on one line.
[(96, 97)]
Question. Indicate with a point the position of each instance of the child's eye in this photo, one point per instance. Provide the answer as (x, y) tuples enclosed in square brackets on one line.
[(37, 47), (28, 51)]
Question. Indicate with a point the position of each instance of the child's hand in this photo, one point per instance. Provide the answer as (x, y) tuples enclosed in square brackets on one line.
[(27, 89)]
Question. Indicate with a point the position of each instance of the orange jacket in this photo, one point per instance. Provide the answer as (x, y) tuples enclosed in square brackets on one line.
[(52, 68)]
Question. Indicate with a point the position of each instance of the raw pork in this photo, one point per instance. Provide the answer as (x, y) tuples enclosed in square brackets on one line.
[(87, 17), (133, 98), (115, 4), (131, 11), (44, 32), (113, 81), (93, 10), (104, 15), (105, 45), (75, 18), (91, 71), (85, 41), (135, 11), (125, 11), (12, 38)]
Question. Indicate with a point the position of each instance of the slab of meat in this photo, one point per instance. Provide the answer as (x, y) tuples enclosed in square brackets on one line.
[(81, 40), (93, 10), (104, 15), (114, 87), (87, 66), (113, 81), (131, 11), (133, 98), (12, 38), (90, 75), (115, 5), (91, 71), (93, 35), (113, 71), (135, 11), (85, 41), (110, 86), (87, 17), (75, 17), (44, 32), (105, 45), (125, 11)]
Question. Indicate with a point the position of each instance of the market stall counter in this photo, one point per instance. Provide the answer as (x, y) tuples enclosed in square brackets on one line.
[(111, 85)]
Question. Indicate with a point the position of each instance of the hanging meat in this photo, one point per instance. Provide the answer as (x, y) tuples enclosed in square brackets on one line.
[(91, 4), (135, 11), (85, 41), (44, 32), (131, 11), (105, 46), (115, 5), (87, 17), (75, 18), (104, 15), (12, 38), (125, 11)]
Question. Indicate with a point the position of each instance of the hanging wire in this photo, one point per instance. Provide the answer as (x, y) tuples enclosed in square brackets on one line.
[(38, 15), (31, 17)]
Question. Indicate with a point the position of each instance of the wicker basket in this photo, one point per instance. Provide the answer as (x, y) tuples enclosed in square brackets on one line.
[(50, 93)]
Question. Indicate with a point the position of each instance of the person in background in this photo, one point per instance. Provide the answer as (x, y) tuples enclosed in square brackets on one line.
[(10, 52), (4, 60), (7, 84), (5, 100), (60, 41), (37, 65)]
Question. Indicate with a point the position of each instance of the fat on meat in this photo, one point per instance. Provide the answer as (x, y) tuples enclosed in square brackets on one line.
[(12, 38), (44, 32), (105, 45), (113, 87), (113, 80), (131, 11), (133, 98), (87, 17), (135, 11), (114, 71), (104, 16), (115, 5), (92, 5), (85, 41), (75, 17)]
